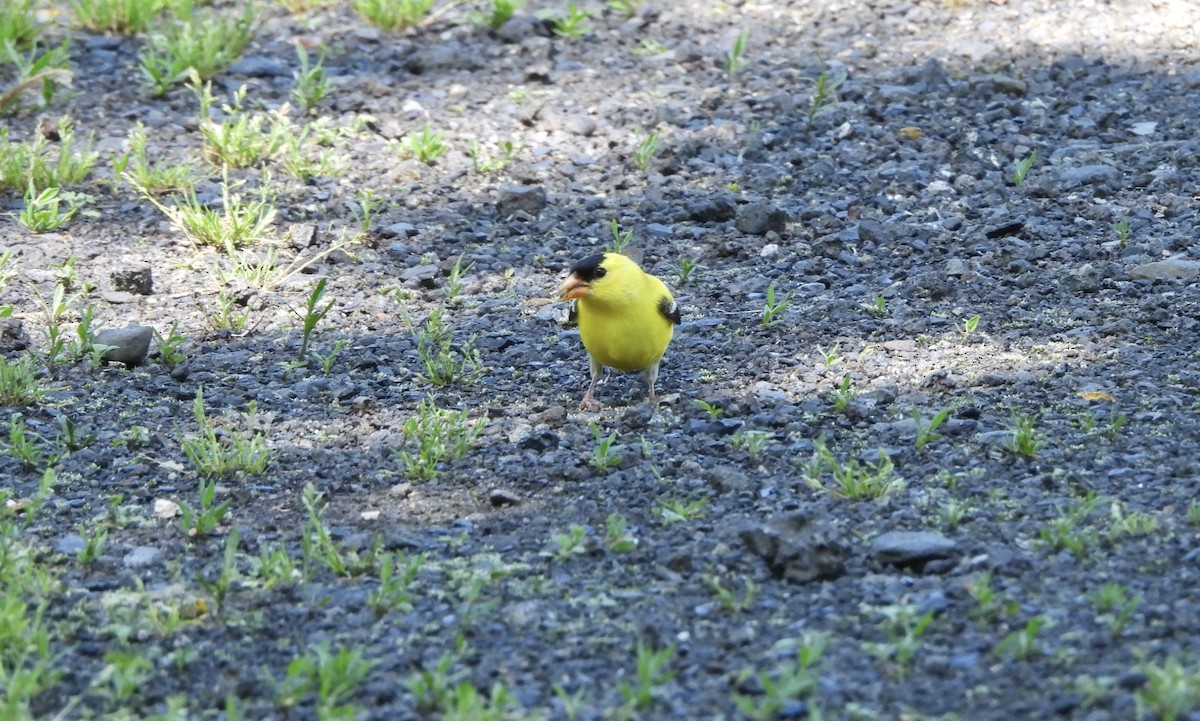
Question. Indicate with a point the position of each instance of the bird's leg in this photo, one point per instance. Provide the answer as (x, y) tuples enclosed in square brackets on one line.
[(651, 376), (589, 400)]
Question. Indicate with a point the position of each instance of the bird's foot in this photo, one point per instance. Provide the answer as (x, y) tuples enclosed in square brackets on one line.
[(590, 404)]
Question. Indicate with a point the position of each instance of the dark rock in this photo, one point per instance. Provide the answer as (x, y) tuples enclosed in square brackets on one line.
[(502, 497), (799, 548), (13, 337), (909, 548), (133, 280), (759, 218), (708, 210), (128, 346), (141, 557), (1089, 175), (1007, 228), (530, 199)]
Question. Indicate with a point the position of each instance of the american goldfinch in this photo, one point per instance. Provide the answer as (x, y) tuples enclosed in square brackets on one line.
[(626, 318)]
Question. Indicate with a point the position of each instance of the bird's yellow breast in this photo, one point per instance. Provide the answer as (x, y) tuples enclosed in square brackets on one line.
[(623, 327)]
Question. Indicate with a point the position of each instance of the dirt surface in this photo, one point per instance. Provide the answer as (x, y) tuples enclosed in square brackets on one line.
[(1044, 574)]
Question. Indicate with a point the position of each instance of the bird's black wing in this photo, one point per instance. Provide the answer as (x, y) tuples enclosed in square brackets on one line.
[(670, 310)]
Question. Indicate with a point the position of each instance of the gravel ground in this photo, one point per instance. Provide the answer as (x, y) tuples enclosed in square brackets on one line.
[(1034, 556)]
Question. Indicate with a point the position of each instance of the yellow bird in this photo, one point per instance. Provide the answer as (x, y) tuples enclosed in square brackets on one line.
[(626, 318)]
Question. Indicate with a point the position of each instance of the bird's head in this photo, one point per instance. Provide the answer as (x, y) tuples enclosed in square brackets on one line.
[(599, 269)]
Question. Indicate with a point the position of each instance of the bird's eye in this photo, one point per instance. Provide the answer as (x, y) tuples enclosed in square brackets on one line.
[(600, 272)]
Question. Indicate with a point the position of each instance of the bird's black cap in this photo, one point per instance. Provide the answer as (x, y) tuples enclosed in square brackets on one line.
[(589, 268)]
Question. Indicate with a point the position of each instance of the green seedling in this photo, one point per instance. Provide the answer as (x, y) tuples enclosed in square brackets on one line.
[(617, 537), (393, 14), (200, 43), (711, 409), (310, 82), (1115, 605), (1022, 644), (644, 151), (454, 283), (326, 360), (728, 599), (396, 578), (651, 673), (427, 145), (604, 456), (624, 9), (155, 177), (483, 164), (904, 631), (19, 384), (927, 432), (830, 356), (620, 240), (313, 314), (678, 510), (575, 23), (45, 165), (117, 17), (44, 211), (1071, 531), (686, 267), (753, 442), (442, 362), (877, 306), (735, 57), (1022, 167), (570, 544), (497, 13), (852, 479), (27, 448), (786, 683), (1122, 231), (1025, 440), (969, 326), (229, 453), (824, 94), (774, 307), (45, 69), (435, 436), (1171, 691), (843, 394)]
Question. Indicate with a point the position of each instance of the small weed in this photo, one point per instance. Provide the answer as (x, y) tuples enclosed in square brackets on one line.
[(1172, 690), (313, 314), (427, 145), (570, 544), (332, 678), (735, 57), (241, 139), (904, 630), (496, 14), (238, 221), (617, 537), (603, 455), (39, 164), (18, 23), (728, 599), (620, 240), (651, 673), (1069, 530), (1193, 513), (686, 267), (326, 360), (1123, 523), (852, 479), (969, 326), (44, 210), (785, 684), (753, 442), (202, 43), (483, 164), (27, 448), (154, 177), (954, 511), (396, 577), (644, 150), (927, 432), (1116, 605), (436, 435), (454, 283), (678, 510), (443, 363), (774, 307), (1025, 440), (990, 606), (877, 306), (843, 394), (831, 356), (46, 69), (574, 23), (1022, 167), (310, 83), (1022, 644), (624, 9), (19, 384), (393, 14), (711, 409), (230, 453), (118, 17), (205, 518), (1122, 231), (823, 98)]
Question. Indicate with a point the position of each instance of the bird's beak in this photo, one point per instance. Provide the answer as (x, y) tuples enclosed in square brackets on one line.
[(574, 287)]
